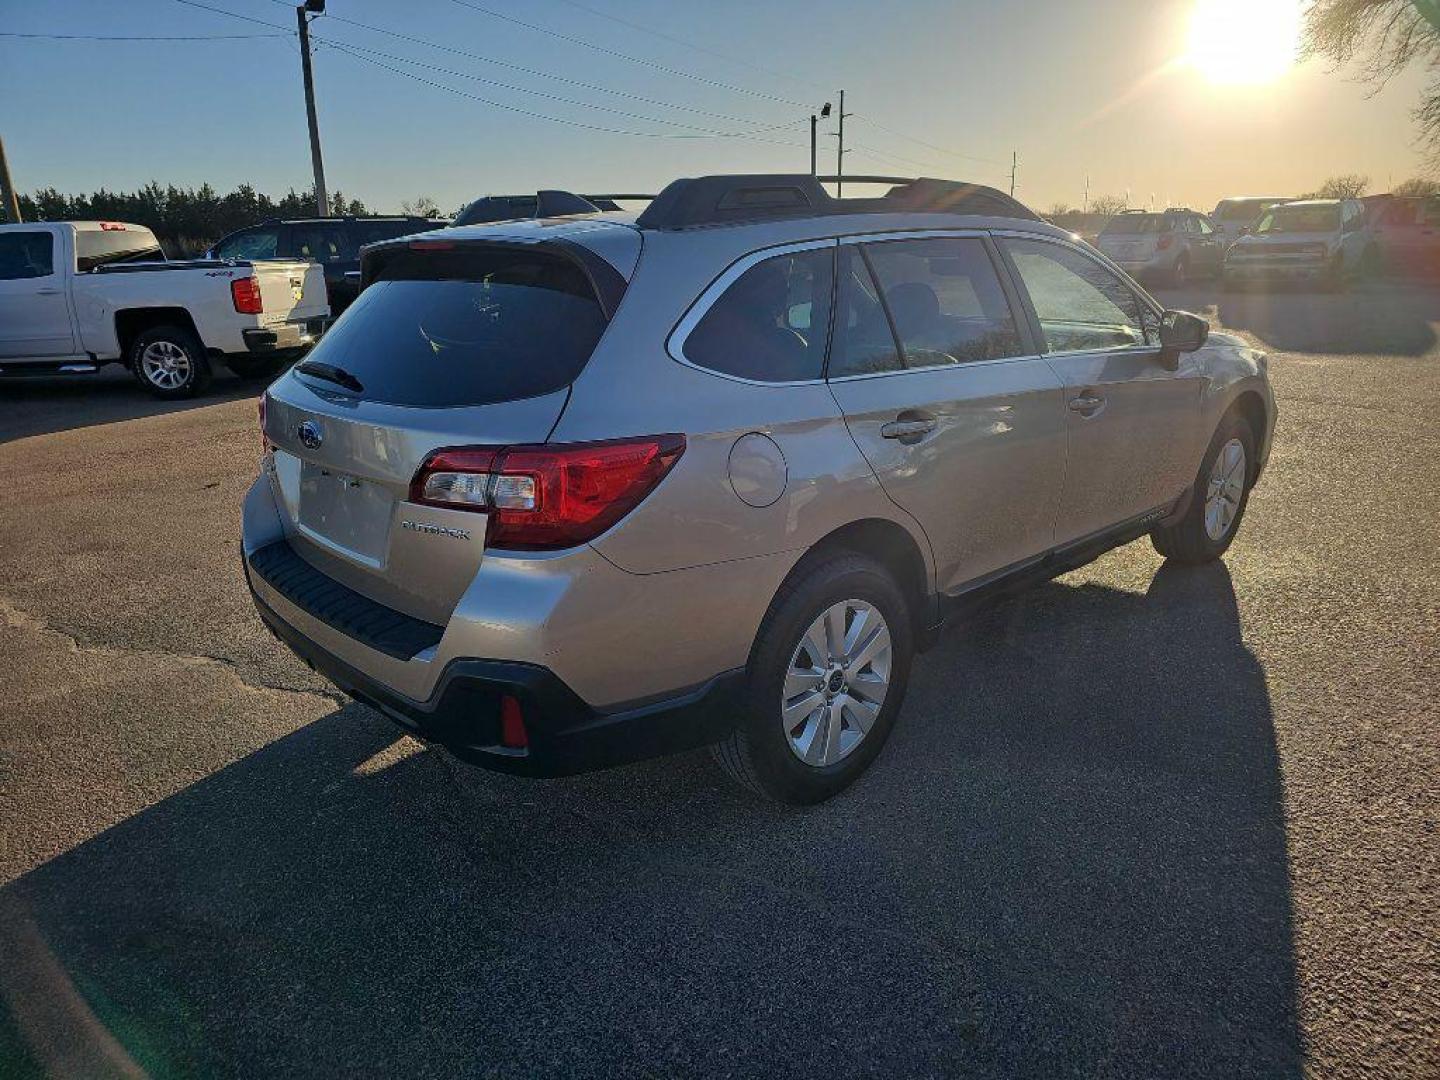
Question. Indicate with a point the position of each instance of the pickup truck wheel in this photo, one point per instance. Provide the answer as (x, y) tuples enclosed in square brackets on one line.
[(1218, 500), (824, 684), (169, 362)]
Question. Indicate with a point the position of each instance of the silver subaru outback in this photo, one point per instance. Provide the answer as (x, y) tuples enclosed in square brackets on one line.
[(559, 494)]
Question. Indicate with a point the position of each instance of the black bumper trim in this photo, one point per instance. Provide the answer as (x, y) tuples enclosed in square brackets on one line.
[(566, 736), (381, 628)]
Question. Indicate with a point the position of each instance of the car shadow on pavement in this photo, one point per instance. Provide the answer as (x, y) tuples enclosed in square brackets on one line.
[(1381, 318), (1071, 860), (44, 406)]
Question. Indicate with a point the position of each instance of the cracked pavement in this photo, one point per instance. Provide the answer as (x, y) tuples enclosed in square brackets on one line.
[(1142, 821)]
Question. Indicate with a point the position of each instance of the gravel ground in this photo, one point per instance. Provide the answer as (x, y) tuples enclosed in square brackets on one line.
[(1141, 821)]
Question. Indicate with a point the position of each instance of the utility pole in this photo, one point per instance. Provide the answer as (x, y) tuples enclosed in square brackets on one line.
[(1085, 205), (322, 199), (840, 150), (1014, 164), (8, 199)]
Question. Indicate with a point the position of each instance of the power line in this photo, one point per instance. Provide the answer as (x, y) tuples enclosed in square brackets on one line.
[(632, 59), (552, 97), (938, 149), (141, 37), (688, 44), (552, 119), (235, 15), (579, 83)]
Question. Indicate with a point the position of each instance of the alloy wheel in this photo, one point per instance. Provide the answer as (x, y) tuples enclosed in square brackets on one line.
[(1225, 489), (836, 683), (166, 365)]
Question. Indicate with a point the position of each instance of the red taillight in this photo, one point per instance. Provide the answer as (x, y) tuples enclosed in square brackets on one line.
[(512, 725), (245, 292), (112, 226), (1164, 242), (540, 498)]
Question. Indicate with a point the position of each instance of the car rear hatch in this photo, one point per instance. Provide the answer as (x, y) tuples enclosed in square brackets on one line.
[(450, 344)]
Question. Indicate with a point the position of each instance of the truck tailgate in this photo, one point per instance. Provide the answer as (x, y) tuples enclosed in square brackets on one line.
[(291, 291)]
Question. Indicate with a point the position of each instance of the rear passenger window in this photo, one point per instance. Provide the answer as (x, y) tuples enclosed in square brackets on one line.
[(944, 300), (772, 324), (1080, 304)]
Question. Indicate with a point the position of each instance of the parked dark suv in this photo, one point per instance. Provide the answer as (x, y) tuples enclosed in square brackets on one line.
[(334, 243)]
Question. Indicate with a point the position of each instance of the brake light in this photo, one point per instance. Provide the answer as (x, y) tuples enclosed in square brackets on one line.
[(545, 497), (245, 292), (1164, 242), (512, 725), (111, 226)]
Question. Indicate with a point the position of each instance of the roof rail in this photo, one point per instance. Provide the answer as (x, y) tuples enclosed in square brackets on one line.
[(722, 200)]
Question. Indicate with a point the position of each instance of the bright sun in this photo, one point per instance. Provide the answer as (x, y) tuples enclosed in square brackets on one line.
[(1244, 42)]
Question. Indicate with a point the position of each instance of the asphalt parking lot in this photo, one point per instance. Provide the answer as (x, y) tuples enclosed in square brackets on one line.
[(1142, 821)]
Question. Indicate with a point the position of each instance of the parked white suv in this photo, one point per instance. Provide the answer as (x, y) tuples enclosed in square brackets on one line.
[(75, 295), (1326, 242)]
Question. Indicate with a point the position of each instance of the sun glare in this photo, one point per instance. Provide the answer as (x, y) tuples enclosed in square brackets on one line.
[(1244, 42)]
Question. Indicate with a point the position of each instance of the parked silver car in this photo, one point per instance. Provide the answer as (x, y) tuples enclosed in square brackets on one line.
[(565, 493), (1326, 242), (1168, 247)]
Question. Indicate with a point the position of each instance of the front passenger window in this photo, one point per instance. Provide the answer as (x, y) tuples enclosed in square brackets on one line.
[(26, 255), (772, 324), (1080, 304)]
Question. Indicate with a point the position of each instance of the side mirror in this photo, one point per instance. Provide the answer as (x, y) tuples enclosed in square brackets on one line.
[(1180, 332)]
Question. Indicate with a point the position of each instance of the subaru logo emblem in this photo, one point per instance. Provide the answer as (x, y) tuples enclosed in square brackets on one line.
[(310, 434)]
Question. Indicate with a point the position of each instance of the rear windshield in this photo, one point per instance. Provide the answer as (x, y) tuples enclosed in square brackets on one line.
[(1300, 219), (441, 329), (1243, 210), (97, 247), (1136, 225)]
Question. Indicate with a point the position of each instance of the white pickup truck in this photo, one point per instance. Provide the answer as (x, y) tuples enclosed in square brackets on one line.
[(78, 294)]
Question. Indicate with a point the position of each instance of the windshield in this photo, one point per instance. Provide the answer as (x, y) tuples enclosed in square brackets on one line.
[(1300, 219), (465, 328), (1243, 210), (1136, 225)]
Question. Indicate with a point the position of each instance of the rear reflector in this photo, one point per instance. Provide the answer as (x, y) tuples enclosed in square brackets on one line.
[(550, 496), (512, 724), (246, 294)]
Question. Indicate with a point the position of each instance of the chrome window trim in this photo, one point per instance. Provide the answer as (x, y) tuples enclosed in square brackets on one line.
[(1095, 256), (675, 342)]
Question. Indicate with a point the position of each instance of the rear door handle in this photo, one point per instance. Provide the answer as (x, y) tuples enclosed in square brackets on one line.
[(1086, 404), (907, 430), (47, 292)]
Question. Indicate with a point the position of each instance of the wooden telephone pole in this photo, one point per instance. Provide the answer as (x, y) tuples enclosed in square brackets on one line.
[(9, 200)]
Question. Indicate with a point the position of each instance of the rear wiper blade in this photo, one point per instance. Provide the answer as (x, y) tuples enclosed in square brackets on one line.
[(330, 373)]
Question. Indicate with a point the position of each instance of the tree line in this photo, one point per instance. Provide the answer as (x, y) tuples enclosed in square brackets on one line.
[(186, 220)]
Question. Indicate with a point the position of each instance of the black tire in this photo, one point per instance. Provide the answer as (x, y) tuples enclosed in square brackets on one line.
[(1187, 540), (757, 753), (197, 373), (262, 366)]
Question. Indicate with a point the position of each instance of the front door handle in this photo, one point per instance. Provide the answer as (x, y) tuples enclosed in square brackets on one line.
[(907, 430), (47, 292), (1086, 404)]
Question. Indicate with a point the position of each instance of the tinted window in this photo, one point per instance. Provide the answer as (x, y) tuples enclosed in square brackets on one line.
[(255, 244), (945, 301), (466, 328), (772, 324), (1136, 225), (1400, 213), (26, 255), (864, 344), (1298, 218), (323, 243), (97, 247), (1080, 304)]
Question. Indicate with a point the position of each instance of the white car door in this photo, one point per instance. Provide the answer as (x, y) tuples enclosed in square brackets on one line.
[(34, 312)]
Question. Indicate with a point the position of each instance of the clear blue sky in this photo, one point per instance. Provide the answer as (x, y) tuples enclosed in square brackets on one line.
[(1075, 88)]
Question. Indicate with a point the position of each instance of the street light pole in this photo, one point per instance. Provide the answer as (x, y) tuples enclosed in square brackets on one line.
[(824, 111), (322, 198)]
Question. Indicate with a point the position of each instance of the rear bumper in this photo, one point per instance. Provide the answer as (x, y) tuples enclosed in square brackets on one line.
[(565, 735), (284, 337)]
